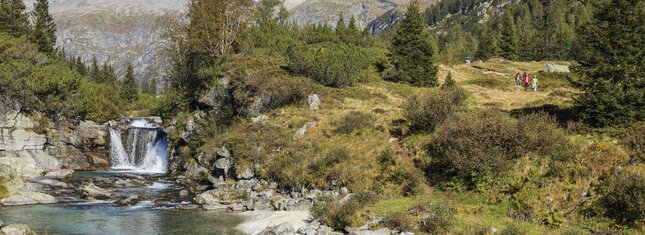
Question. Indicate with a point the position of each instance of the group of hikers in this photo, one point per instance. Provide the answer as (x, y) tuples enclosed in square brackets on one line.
[(526, 80)]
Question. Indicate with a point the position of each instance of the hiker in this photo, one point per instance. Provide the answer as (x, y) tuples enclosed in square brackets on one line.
[(517, 79), (534, 83), (526, 81)]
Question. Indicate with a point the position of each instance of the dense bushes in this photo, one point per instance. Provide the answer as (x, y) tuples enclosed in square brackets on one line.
[(440, 218), (354, 121), (634, 140), (46, 84), (425, 112), (481, 144), (623, 198), (339, 215), (336, 65)]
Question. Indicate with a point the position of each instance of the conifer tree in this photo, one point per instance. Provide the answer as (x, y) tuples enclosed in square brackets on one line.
[(449, 83), (80, 66), (341, 29), (508, 42), (413, 51), (110, 74), (488, 46), (44, 31), (611, 63), (353, 33), (129, 89), (13, 19), (95, 72)]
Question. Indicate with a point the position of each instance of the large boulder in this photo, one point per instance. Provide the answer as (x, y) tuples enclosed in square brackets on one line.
[(245, 174), (314, 102), (17, 229), (556, 68), (59, 174), (92, 191), (20, 139), (20, 164), (44, 161), (28, 198), (86, 134), (280, 229)]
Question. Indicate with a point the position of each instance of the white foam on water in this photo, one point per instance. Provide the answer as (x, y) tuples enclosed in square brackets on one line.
[(145, 151)]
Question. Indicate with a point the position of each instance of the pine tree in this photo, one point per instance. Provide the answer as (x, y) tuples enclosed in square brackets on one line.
[(611, 63), (508, 42), (353, 33), (95, 71), (129, 89), (80, 66), (110, 74), (44, 31), (449, 83), (488, 46), (341, 29), (413, 51), (13, 19)]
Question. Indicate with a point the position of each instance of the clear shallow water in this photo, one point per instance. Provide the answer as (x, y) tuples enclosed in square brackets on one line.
[(103, 218)]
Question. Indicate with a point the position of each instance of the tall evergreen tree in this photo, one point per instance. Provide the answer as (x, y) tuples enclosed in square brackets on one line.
[(611, 62), (488, 46), (80, 66), (353, 33), (95, 71), (129, 89), (13, 19), (44, 31), (413, 51), (508, 41), (341, 28)]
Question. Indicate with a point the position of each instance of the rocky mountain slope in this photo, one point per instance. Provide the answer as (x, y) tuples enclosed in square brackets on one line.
[(121, 31), (365, 11), (116, 31)]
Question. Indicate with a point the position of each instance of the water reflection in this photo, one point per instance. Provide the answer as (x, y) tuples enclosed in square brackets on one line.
[(103, 218)]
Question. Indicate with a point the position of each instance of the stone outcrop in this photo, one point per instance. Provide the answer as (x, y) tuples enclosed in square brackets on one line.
[(556, 68), (35, 154), (92, 192), (16, 229), (280, 229)]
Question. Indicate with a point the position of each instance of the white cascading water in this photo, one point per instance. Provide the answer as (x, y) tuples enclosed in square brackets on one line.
[(145, 151)]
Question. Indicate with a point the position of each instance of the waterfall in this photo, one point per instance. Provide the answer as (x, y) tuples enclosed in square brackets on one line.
[(145, 151)]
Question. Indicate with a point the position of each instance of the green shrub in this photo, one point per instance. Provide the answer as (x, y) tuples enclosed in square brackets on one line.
[(354, 121), (401, 221), (513, 229), (408, 178), (425, 112), (4, 191), (440, 218), (623, 198), (482, 144), (339, 215), (553, 219), (49, 86), (335, 65), (634, 140)]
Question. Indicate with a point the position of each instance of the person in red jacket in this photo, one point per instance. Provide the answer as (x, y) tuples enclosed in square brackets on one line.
[(526, 80)]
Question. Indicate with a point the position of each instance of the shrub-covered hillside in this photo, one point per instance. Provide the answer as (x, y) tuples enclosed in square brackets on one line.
[(307, 107)]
